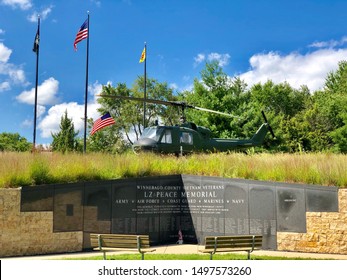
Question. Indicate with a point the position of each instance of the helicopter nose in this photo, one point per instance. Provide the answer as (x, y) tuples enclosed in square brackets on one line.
[(145, 144)]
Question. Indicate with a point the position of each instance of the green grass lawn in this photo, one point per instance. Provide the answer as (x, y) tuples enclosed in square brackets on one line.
[(23, 169)]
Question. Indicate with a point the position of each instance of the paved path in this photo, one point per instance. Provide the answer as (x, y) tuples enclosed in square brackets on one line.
[(179, 249)]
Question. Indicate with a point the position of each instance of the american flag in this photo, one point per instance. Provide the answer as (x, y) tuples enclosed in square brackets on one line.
[(81, 34), (102, 122)]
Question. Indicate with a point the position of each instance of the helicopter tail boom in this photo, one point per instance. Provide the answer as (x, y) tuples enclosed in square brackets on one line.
[(259, 136)]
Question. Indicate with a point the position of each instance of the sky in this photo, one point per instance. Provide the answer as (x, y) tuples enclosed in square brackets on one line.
[(297, 41)]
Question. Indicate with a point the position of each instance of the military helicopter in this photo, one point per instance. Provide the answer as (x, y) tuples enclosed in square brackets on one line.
[(188, 137)]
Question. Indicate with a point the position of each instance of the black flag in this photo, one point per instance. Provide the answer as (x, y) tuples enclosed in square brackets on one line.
[(37, 40)]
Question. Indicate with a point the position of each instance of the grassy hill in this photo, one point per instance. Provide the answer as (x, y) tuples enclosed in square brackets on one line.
[(22, 169)]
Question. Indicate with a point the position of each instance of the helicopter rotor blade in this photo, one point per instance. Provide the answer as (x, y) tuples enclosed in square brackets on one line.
[(155, 101), (216, 112), (270, 128), (181, 104)]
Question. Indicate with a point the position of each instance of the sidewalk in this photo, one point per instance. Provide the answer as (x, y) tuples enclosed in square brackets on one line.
[(178, 249)]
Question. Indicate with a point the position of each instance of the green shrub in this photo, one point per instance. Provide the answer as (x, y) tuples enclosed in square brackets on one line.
[(39, 172)]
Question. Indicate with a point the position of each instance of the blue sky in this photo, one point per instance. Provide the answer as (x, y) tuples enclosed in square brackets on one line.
[(294, 41)]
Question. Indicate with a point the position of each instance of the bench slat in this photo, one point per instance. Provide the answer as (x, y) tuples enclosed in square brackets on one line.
[(105, 242), (247, 243)]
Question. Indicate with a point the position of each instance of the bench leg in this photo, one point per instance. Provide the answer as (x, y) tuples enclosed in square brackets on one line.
[(142, 256), (211, 255), (248, 255), (104, 255)]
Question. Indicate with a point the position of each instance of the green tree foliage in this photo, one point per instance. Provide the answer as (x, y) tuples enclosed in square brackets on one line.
[(64, 140), (302, 121), (323, 122), (331, 108), (216, 91), (284, 106), (14, 142), (105, 140)]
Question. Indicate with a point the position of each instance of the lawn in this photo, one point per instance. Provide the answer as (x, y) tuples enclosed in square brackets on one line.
[(23, 169)]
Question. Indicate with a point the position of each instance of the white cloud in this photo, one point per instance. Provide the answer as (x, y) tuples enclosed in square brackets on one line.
[(46, 93), (97, 3), (4, 86), (27, 123), (297, 69), (43, 14), (199, 58), (2, 31), (5, 53), (40, 111), (12, 73), (22, 4), (50, 123), (223, 59), (17, 75), (95, 89), (173, 86), (329, 44)]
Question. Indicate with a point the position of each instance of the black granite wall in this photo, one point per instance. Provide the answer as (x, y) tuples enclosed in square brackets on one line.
[(198, 206)]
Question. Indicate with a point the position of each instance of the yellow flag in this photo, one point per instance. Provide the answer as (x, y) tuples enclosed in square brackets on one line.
[(143, 55)]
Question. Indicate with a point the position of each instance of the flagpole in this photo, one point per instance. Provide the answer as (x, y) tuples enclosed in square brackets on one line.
[(86, 95), (145, 86), (36, 49)]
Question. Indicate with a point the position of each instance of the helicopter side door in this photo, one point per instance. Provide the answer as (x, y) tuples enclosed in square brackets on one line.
[(169, 140), (187, 140)]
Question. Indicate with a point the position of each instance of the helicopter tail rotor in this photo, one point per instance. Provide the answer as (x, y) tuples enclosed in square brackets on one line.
[(269, 127)]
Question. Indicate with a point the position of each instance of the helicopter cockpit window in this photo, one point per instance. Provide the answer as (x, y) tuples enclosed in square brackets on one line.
[(186, 138), (167, 138), (152, 133)]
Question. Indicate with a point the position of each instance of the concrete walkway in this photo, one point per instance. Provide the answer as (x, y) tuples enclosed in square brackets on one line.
[(178, 249)]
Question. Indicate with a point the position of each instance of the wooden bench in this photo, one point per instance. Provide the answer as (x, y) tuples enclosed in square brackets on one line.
[(107, 242), (248, 243)]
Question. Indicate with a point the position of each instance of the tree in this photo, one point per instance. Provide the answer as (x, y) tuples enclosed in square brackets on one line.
[(14, 142), (327, 115), (105, 140), (217, 91), (284, 107), (64, 140)]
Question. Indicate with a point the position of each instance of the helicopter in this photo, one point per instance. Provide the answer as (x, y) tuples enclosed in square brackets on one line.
[(187, 137)]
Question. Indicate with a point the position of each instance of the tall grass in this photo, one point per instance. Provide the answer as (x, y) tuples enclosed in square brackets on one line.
[(20, 169)]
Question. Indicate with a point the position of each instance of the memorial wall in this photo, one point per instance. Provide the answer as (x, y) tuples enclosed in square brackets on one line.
[(198, 206)]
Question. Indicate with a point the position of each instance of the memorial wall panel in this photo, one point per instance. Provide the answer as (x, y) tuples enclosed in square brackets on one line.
[(98, 207), (212, 206), (291, 213), (191, 215), (68, 207), (262, 214), (236, 216), (38, 198), (170, 208), (321, 199), (149, 192), (124, 201)]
